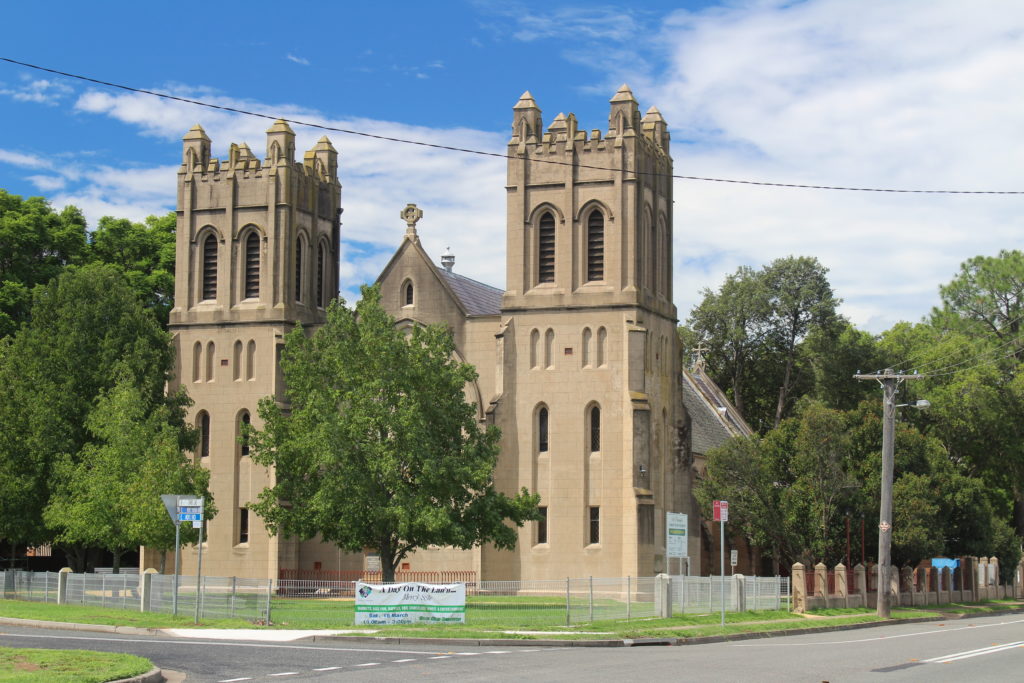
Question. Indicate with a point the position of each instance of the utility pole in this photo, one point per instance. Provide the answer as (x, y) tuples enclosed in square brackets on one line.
[(890, 380)]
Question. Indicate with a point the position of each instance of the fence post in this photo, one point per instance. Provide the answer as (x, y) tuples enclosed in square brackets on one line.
[(270, 589), (234, 589), (9, 584), (798, 586), (62, 585), (662, 596), (842, 584), (146, 590), (739, 588), (568, 608), (591, 599), (628, 603)]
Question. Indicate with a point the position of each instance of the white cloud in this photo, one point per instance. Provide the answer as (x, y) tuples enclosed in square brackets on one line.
[(40, 91), (298, 60), (26, 160), (47, 183), (873, 93)]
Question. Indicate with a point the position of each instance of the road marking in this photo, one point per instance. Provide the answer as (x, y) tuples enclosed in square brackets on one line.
[(967, 654), (502, 652), (232, 680), (286, 673), (468, 654), (441, 657), (867, 640), (369, 664), (402, 661), (327, 668)]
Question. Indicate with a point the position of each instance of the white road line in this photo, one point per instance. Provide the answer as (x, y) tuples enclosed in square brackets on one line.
[(327, 668), (468, 654), (232, 680), (221, 643), (286, 673), (401, 661), (369, 664), (502, 652), (441, 657), (974, 653), (867, 640)]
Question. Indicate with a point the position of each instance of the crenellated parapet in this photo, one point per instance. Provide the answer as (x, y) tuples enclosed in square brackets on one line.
[(564, 135)]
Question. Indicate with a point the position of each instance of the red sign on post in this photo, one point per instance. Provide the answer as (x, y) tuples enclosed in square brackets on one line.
[(721, 508)]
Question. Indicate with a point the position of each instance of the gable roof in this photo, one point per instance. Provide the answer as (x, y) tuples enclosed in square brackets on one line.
[(476, 297), (713, 417)]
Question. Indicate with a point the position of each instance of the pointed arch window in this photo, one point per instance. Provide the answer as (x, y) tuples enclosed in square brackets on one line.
[(595, 429), (210, 353), (534, 348), (197, 362), (320, 276), (546, 248), (250, 360), (595, 246), (602, 339), (408, 293), (587, 337), (549, 348), (252, 266), (236, 361), (209, 287), (542, 430), (299, 246)]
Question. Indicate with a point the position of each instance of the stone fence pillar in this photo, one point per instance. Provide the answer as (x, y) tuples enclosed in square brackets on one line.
[(842, 586), (146, 590), (663, 596), (821, 580), (860, 580), (62, 585), (981, 580), (798, 584), (945, 594), (739, 587)]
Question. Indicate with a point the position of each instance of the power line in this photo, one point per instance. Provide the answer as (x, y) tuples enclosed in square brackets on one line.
[(498, 155)]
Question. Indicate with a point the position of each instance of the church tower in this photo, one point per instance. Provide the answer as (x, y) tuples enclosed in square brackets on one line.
[(590, 408), (257, 252)]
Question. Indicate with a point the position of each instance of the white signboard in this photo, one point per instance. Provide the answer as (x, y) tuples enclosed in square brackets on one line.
[(410, 603), (676, 535), (734, 557)]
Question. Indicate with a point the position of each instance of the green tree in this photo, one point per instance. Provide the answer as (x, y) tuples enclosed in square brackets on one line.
[(36, 243), (109, 496), (800, 300), (379, 444), (87, 329), (144, 252)]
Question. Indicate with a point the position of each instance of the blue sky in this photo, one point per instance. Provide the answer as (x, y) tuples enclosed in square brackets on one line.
[(881, 93)]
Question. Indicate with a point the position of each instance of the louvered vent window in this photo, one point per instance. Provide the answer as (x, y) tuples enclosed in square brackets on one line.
[(210, 267), (320, 276), (546, 249), (298, 270), (595, 246), (252, 266)]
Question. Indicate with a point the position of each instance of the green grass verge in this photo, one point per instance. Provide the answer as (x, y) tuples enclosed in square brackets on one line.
[(68, 666), (85, 614)]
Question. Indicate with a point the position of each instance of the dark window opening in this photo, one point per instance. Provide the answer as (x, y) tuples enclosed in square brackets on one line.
[(320, 276), (595, 524), (542, 430), (645, 524), (252, 266), (595, 429), (245, 433), (243, 525), (204, 435), (546, 249), (298, 270), (542, 525), (209, 268), (595, 246), (408, 294)]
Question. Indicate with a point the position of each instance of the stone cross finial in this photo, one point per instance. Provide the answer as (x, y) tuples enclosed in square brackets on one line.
[(699, 351), (411, 214)]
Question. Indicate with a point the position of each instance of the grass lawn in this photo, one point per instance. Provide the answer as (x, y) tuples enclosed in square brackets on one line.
[(85, 614), (70, 666)]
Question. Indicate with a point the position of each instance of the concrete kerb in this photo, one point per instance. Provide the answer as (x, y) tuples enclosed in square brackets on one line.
[(534, 642), (154, 675)]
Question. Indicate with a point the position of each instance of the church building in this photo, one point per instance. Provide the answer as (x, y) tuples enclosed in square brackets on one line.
[(578, 357)]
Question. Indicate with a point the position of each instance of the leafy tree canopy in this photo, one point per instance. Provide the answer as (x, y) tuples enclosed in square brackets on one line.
[(379, 443)]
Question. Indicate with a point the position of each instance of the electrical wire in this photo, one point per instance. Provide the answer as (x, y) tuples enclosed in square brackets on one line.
[(498, 155)]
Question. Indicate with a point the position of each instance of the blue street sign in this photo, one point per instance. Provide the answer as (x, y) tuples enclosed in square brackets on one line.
[(187, 517)]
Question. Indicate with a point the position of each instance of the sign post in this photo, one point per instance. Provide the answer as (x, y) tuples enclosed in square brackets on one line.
[(676, 538), (184, 509), (721, 508)]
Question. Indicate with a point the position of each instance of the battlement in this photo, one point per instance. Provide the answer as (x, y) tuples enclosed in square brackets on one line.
[(565, 136), (319, 163)]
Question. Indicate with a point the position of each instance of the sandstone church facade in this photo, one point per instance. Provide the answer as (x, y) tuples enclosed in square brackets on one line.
[(578, 356)]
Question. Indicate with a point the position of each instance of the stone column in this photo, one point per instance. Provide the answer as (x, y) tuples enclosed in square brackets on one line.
[(798, 584), (945, 595), (739, 587), (146, 590), (874, 581), (860, 580), (842, 587), (62, 585), (981, 580), (663, 596), (821, 581)]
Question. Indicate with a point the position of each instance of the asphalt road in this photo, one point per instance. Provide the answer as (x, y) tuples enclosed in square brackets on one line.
[(982, 649)]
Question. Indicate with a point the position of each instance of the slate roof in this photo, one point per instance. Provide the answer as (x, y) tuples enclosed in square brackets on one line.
[(713, 418), (476, 297)]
